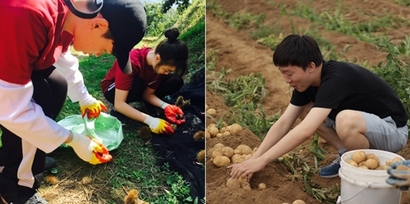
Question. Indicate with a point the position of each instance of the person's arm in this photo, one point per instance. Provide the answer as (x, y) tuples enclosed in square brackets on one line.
[(298, 135), (68, 65), (279, 129), (151, 98), (124, 108), (19, 51)]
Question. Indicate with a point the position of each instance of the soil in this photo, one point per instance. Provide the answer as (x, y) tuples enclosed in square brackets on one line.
[(237, 51)]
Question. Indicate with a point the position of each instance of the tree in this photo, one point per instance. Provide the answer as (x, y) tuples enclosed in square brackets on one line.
[(182, 4), (158, 21)]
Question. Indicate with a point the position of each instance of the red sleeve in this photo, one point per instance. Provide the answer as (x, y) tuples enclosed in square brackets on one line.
[(20, 43)]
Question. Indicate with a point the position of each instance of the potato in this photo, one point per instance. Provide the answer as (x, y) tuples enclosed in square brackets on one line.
[(219, 135), (262, 186), (363, 167), (246, 156), (213, 131), (235, 128), (207, 135), (353, 163), (219, 145), (220, 161), (298, 202), (200, 157), (209, 152), (226, 134), (227, 151), (245, 185), (217, 152), (371, 163), (211, 112), (396, 159), (237, 158), (402, 167), (373, 156), (233, 183), (243, 149), (388, 163), (383, 167), (359, 156)]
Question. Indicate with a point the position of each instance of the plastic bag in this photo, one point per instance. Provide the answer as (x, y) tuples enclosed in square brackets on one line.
[(106, 128)]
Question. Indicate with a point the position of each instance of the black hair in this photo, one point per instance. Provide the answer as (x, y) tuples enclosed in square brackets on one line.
[(297, 50), (173, 52)]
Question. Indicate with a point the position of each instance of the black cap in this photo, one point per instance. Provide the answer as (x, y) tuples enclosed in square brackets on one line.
[(127, 23)]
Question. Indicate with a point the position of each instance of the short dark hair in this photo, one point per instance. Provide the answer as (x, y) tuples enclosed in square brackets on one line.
[(297, 50), (173, 51)]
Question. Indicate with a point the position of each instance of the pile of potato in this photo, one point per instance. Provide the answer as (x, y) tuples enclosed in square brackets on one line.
[(226, 130), (222, 155), (370, 161)]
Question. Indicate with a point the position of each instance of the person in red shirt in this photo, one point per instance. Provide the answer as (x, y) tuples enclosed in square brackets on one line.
[(37, 72), (155, 74)]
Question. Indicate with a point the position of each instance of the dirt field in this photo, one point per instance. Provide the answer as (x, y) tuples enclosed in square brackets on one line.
[(237, 51)]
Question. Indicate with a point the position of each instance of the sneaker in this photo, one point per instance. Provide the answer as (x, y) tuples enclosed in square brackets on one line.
[(122, 118), (36, 199), (331, 170)]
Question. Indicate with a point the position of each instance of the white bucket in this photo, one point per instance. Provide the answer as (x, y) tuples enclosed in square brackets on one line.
[(367, 186)]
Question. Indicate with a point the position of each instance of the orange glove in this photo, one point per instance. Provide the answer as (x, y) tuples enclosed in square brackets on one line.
[(91, 107), (89, 149), (158, 125), (173, 113)]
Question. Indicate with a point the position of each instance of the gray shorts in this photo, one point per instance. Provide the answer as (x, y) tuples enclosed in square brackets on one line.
[(382, 133)]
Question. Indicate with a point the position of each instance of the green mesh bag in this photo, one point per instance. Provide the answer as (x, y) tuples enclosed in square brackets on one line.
[(106, 128)]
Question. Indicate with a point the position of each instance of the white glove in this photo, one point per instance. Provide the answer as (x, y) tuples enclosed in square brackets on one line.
[(88, 149)]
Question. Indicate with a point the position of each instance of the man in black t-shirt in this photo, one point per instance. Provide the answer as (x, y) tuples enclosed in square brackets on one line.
[(347, 105)]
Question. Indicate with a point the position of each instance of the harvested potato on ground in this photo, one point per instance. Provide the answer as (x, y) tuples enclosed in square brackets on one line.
[(227, 151), (226, 134), (220, 161), (213, 131), (211, 112), (359, 156), (209, 152), (262, 186), (219, 135), (237, 158), (245, 185), (235, 128), (207, 135), (298, 202), (217, 152), (219, 145), (233, 183), (243, 149), (200, 157)]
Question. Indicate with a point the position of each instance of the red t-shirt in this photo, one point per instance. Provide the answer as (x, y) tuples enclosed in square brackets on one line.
[(140, 68), (32, 37)]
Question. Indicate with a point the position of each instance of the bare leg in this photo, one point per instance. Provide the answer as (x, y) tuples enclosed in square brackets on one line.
[(351, 127)]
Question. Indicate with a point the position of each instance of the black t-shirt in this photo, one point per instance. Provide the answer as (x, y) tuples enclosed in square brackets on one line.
[(349, 86)]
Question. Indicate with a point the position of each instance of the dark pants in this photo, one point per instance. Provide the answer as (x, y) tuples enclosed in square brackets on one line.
[(169, 85), (50, 91)]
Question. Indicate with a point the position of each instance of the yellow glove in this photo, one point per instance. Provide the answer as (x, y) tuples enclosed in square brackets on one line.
[(91, 107), (158, 125)]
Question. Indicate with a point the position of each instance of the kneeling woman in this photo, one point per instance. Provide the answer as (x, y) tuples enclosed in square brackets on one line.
[(155, 74)]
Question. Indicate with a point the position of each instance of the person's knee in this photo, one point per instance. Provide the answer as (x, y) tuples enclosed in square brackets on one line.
[(349, 123)]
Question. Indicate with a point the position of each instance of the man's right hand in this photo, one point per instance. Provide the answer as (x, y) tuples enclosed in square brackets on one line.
[(89, 149), (158, 125)]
